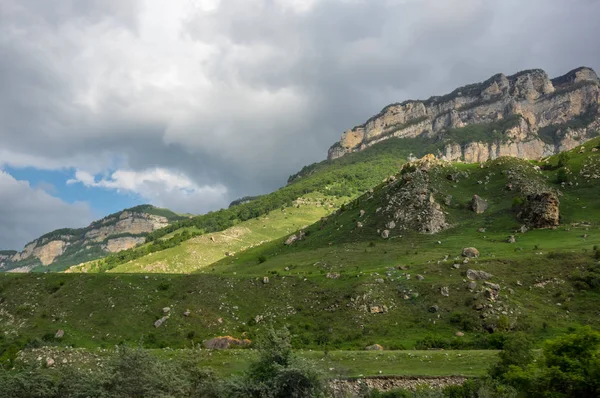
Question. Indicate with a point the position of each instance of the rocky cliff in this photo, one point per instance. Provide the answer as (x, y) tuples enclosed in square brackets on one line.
[(526, 115), (116, 232)]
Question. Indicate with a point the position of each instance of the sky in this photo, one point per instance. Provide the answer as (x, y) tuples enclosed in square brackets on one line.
[(190, 104)]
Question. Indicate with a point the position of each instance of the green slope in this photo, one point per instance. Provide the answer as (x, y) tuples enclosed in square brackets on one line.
[(549, 279)]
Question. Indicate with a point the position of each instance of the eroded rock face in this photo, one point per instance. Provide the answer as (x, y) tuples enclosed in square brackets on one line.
[(47, 248), (532, 94), (541, 210), (124, 243)]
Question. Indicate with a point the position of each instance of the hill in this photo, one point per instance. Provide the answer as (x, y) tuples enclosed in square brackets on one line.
[(346, 286), (62, 248)]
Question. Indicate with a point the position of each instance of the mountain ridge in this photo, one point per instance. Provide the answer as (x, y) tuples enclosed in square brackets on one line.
[(538, 101), (113, 233)]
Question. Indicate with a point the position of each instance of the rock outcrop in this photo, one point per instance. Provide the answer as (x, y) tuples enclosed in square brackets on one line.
[(410, 203), (225, 342), (541, 210), (525, 115)]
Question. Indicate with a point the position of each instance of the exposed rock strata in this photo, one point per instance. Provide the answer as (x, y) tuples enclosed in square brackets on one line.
[(107, 233), (539, 100)]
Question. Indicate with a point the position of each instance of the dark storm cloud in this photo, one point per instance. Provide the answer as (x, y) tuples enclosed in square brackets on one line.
[(244, 93)]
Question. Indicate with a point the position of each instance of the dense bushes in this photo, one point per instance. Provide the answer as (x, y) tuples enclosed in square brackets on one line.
[(135, 373)]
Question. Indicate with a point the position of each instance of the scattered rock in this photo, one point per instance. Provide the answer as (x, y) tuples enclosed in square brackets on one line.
[(448, 200), (160, 321), (59, 334), (472, 285), (523, 229), (374, 347), (390, 225), (419, 277), (482, 230), (491, 294), (509, 187), (445, 291), (225, 342), (378, 309), (187, 312), (492, 286), (478, 205), (470, 252), (402, 267), (511, 239), (265, 280), (359, 224), (361, 213), (49, 362), (379, 280), (459, 334), (456, 266), (434, 308), (166, 310), (332, 275), (385, 234), (476, 275)]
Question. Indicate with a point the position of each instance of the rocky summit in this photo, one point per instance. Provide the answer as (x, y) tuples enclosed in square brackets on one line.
[(526, 115)]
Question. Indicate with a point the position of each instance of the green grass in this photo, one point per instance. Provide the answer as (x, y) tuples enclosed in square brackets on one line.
[(335, 364)]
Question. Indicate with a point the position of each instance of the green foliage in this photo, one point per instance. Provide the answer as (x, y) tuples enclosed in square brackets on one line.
[(277, 373), (132, 373), (570, 367), (562, 176)]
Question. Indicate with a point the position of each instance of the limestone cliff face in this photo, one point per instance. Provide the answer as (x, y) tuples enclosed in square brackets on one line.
[(107, 234), (542, 104)]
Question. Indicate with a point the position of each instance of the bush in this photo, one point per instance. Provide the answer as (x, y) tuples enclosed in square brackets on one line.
[(277, 372)]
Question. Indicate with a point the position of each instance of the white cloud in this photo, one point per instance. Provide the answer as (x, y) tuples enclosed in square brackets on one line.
[(28, 212), (235, 95), (161, 187)]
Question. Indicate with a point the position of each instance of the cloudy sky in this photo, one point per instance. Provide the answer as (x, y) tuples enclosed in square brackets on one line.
[(189, 104)]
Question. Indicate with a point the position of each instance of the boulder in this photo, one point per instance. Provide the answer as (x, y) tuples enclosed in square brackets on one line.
[(361, 213), (434, 308), (385, 234), (459, 334), (59, 334), (378, 309), (476, 275), (523, 229), (187, 312), (374, 347), (49, 362), (225, 342), (291, 240), (511, 239), (470, 252), (472, 285), (265, 280), (166, 310), (160, 321), (419, 277), (541, 210), (478, 205), (332, 275), (445, 291), (390, 225)]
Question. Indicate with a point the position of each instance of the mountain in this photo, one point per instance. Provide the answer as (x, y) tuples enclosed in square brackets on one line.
[(526, 115), (64, 247)]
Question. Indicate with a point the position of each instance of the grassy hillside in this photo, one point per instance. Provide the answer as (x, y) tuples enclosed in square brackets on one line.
[(345, 287), (201, 251)]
